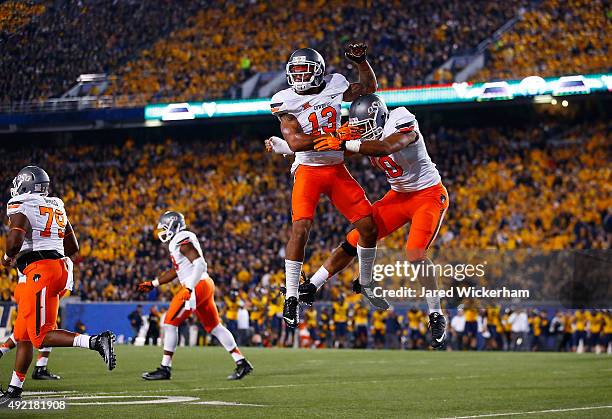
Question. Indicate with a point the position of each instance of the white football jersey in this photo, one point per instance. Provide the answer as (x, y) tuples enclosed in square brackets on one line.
[(182, 265), (411, 168), (317, 114), (47, 217)]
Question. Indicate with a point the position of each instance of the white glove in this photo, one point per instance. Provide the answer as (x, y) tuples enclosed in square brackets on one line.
[(278, 146)]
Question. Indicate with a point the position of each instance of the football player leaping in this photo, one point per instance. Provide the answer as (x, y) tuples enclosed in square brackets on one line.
[(395, 145), (309, 110), (197, 296), (41, 241)]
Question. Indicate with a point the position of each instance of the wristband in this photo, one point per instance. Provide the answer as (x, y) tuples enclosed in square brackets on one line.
[(353, 145), (155, 282)]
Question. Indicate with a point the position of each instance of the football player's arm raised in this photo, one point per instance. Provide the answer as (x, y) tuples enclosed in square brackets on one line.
[(19, 226), (357, 52), (294, 135), (391, 144)]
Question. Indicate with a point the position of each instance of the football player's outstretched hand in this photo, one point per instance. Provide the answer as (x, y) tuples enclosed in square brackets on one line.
[(146, 286), (356, 51), (327, 143)]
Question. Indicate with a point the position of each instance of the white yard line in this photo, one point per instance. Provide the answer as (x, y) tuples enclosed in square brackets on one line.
[(572, 409)]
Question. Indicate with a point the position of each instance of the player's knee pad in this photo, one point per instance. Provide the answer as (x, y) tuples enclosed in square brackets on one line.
[(224, 336), (170, 337), (349, 248)]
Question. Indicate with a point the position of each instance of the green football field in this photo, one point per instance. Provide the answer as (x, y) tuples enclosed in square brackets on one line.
[(324, 383)]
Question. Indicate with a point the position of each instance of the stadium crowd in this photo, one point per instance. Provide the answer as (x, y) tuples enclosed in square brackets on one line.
[(554, 39), (199, 50), (236, 199)]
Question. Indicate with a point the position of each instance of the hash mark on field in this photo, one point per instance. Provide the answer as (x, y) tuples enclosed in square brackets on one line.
[(572, 409), (220, 403)]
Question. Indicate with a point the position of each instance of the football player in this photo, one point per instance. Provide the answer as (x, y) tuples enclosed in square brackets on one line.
[(40, 242), (395, 145), (197, 296), (309, 110)]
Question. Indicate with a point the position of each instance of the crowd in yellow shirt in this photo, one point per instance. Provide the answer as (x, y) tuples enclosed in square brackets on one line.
[(555, 38)]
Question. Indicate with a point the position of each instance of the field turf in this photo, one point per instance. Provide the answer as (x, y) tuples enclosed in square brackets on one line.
[(324, 383)]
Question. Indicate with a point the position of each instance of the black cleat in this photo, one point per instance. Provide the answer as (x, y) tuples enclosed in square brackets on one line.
[(162, 373), (306, 292), (291, 312), (42, 373), (243, 368), (437, 325), (103, 344), (12, 393), (379, 303)]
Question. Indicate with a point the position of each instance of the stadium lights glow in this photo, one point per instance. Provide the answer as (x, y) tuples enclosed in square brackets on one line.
[(564, 103), (532, 86)]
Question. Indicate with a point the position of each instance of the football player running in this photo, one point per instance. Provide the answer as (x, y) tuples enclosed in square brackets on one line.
[(310, 110), (197, 296), (41, 242), (395, 145)]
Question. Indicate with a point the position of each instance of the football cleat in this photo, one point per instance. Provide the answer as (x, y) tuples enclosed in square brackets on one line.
[(162, 373), (12, 393), (42, 373), (243, 368), (103, 344), (437, 325), (291, 312), (379, 303), (307, 292)]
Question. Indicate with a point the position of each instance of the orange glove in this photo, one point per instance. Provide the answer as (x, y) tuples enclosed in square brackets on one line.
[(347, 133), (146, 286), (328, 143)]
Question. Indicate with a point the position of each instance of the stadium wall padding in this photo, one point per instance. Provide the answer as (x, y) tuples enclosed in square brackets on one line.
[(99, 317)]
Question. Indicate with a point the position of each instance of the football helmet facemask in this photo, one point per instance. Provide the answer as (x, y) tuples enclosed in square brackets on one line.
[(305, 69)]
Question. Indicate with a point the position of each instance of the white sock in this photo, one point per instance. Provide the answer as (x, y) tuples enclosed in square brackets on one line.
[(433, 303), (4, 348), (320, 277), (366, 257), (16, 381), (45, 350), (170, 338), (226, 340), (42, 361), (166, 360), (81, 341), (292, 277)]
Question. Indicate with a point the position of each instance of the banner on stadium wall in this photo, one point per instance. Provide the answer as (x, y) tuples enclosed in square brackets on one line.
[(413, 96)]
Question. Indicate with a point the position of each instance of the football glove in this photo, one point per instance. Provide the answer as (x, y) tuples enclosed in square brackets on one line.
[(146, 286), (348, 133), (356, 51), (328, 143)]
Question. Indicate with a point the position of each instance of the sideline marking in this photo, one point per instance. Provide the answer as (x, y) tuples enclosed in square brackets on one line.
[(572, 409)]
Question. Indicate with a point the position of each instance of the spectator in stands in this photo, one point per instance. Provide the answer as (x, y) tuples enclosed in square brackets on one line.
[(135, 318)]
